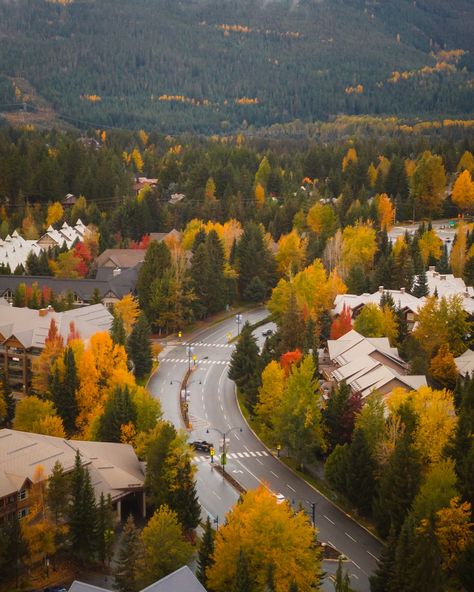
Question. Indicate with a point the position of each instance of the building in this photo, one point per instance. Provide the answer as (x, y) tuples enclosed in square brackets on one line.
[(445, 284), (109, 287), (114, 469), (142, 182), (14, 249), (113, 262), (366, 365), (465, 364), (406, 302), (23, 332), (181, 580)]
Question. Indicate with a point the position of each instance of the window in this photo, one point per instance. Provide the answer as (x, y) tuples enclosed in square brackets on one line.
[(22, 495), (23, 512)]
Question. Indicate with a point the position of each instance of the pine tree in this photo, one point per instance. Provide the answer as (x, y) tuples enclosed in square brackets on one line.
[(9, 400), (420, 287), (157, 262), (205, 553), (342, 580), (156, 482), (254, 258), (82, 513), (401, 572), (357, 281), (63, 390), (426, 574), (242, 581), (119, 410), (58, 492), (200, 269), (443, 265), (139, 347), (105, 531), (16, 549), (244, 367), (380, 580), (183, 497), (127, 565), (117, 330), (360, 473), (216, 285), (292, 328)]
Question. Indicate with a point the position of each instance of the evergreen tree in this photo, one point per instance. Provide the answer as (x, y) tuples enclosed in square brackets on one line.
[(468, 273), (96, 297), (205, 553), (216, 284), (256, 290), (403, 270), (357, 280), (400, 578), (105, 529), (16, 552), (400, 480), (200, 270), (63, 390), (254, 258), (242, 582), (443, 265), (270, 578), (139, 347), (119, 410), (157, 261), (382, 577), (426, 574), (117, 330), (128, 560), (420, 287), (82, 513), (342, 581), (245, 365), (58, 492), (361, 468), (462, 446), (156, 482), (9, 400), (183, 497), (339, 415), (292, 328)]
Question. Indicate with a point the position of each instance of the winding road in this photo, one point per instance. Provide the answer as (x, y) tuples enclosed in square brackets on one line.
[(212, 404)]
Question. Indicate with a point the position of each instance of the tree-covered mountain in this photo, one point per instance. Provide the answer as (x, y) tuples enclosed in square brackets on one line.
[(215, 65)]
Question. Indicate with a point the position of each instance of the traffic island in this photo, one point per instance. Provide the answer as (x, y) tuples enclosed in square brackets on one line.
[(229, 478)]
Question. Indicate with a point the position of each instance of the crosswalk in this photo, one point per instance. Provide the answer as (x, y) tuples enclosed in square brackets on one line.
[(185, 360), (201, 344), (234, 455)]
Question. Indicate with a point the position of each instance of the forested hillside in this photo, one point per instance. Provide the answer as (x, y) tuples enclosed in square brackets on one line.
[(209, 66)]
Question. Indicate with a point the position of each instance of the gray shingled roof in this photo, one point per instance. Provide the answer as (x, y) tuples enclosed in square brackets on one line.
[(181, 580)]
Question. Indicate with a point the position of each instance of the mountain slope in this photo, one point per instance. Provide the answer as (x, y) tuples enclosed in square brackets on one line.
[(211, 65)]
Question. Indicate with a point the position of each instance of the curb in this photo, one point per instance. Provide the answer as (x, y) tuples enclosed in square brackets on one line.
[(300, 477)]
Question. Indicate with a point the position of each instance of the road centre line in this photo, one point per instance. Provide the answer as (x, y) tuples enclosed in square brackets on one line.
[(289, 487), (259, 461), (372, 555), (218, 496), (352, 538), (274, 474), (329, 519), (358, 566), (248, 471)]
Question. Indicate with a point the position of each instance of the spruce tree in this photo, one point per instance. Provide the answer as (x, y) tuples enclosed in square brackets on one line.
[(139, 347), (9, 400), (420, 287), (199, 272), (16, 549), (426, 574), (357, 280), (342, 580), (82, 513), (105, 529), (292, 328), (243, 581), (119, 410), (156, 482), (205, 553), (216, 284), (183, 497), (401, 572), (58, 492), (361, 468), (382, 577), (245, 365), (117, 330), (443, 265), (129, 555), (63, 390), (157, 261)]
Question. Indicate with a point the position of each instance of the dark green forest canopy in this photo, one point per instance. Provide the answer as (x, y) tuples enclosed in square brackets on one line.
[(228, 64)]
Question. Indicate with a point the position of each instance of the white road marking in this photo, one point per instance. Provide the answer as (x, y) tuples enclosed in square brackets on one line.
[(259, 454), (252, 453), (246, 454), (332, 544), (355, 576), (248, 471), (240, 455), (372, 555), (289, 487), (358, 566), (259, 461), (264, 453), (352, 538), (329, 519), (274, 474), (218, 496), (237, 436)]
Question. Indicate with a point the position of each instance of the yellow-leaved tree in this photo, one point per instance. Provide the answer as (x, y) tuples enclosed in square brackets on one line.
[(55, 214), (430, 246), (385, 211), (259, 195), (454, 531), (270, 394), (129, 310), (436, 419), (359, 245), (350, 157), (267, 533), (291, 253), (463, 192)]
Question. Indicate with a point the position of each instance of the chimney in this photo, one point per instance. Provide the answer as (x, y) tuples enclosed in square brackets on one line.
[(117, 271), (435, 274), (381, 289), (43, 312), (402, 290), (431, 268), (442, 277)]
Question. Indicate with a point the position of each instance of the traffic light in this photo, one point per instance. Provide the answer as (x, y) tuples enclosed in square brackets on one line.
[(212, 452), (180, 334)]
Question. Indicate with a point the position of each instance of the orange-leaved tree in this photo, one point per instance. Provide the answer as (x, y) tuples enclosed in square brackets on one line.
[(341, 324)]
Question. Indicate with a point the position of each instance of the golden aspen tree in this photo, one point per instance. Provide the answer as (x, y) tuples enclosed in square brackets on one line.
[(463, 192)]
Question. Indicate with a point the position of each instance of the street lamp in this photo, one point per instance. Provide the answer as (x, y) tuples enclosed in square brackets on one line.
[(224, 444), (238, 319), (189, 351)]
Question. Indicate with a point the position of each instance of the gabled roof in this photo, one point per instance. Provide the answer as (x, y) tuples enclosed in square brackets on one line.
[(114, 468), (121, 258), (181, 580), (465, 363), (402, 299)]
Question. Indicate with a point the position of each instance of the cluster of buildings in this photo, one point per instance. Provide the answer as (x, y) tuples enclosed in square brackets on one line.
[(369, 364), (14, 249)]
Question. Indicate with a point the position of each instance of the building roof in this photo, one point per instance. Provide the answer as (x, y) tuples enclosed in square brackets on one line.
[(117, 284), (181, 580), (120, 258), (402, 299), (369, 364), (30, 327), (161, 236), (114, 468), (465, 363), (445, 284)]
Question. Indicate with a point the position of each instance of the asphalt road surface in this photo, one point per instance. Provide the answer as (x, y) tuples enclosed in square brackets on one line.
[(213, 406)]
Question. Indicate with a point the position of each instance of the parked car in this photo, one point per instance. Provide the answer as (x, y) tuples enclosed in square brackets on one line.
[(280, 498), (202, 446), (267, 333)]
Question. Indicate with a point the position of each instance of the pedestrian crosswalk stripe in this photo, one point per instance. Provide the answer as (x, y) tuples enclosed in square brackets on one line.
[(264, 453), (252, 453), (246, 454), (240, 455), (259, 454), (230, 455), (185, 360)]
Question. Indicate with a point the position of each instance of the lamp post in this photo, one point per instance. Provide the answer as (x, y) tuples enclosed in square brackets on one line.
[(238, 319), (224, 442), (189, 351)]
